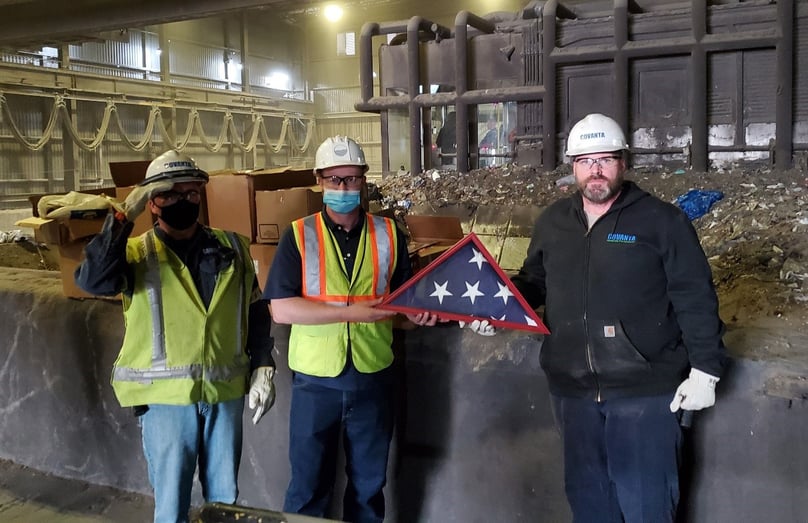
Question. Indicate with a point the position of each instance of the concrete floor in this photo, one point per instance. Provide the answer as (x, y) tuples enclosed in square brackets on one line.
[(27, 496)]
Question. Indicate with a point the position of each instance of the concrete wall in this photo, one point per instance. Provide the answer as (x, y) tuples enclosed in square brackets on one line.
[(477, 443)]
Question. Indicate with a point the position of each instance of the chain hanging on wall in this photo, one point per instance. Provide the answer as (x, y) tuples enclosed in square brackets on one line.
[(194, 126)]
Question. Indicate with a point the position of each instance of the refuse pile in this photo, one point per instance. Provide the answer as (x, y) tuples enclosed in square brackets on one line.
[(755, 235)]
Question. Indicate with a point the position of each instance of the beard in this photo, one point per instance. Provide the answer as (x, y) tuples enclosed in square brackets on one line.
[(601, 192)]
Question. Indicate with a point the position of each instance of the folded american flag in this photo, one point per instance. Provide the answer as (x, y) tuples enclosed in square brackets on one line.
[(466, 283)]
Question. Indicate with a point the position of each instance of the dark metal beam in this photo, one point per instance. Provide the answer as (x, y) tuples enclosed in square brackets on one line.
[(48, 21)]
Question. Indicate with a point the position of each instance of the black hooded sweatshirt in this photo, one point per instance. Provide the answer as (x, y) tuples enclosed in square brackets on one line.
[(630, 304)]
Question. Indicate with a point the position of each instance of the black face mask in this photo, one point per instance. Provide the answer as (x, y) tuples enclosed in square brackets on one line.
[(180, 216)]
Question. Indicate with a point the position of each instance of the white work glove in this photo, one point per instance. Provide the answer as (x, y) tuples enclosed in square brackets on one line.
[(696, 392), (135, 202), (483, 328), (262, 392)]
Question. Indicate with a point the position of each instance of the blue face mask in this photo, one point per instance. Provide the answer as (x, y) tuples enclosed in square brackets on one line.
[(341, 202)]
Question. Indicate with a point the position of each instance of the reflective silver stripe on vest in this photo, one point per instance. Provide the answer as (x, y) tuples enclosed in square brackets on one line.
[(242, 296), (153, 289), (312, 256), (158, 369), (194, 372), (383, 243)]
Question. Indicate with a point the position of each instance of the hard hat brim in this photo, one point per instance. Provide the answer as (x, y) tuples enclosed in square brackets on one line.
[(179, 177), (596, 149)]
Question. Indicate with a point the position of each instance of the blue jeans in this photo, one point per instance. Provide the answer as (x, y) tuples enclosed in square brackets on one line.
[(621, 458), (318, 415), (175, 437)]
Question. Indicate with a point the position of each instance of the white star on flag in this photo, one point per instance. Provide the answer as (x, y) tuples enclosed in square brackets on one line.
[(504, 293), (479, 259), (472, 292), (440, 291), (530, 321)]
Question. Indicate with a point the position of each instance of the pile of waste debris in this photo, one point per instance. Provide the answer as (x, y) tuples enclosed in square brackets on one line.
[(754, 228)]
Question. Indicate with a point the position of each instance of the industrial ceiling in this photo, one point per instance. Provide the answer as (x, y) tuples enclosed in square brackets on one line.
[(27, 24), (32, 24)]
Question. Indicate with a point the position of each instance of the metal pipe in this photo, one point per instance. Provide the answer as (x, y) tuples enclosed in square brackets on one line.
[(414, 26), (698, 87), (667, 47), (712, 149), (529, 93), (369, 30), (549, 147), (462, 21), (784, 118), (621, 79)]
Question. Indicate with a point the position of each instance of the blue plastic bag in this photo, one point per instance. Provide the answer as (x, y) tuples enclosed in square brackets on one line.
[(696, 203)]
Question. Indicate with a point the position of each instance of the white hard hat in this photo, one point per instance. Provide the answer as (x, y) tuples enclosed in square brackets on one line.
[(176, 167), (339, 150), (595, 133)]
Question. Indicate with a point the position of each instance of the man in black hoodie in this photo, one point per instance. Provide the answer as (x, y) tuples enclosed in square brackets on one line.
[(635, 332)]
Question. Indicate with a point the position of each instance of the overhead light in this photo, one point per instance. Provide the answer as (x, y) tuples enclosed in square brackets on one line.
[(332, 12)]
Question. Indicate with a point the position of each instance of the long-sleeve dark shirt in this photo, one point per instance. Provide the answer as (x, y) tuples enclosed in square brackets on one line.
[(629, 302), (106, 272)]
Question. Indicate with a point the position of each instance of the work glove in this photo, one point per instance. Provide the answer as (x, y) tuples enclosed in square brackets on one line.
[(696, 392), (262, 392), (135, 202), (481, 327)]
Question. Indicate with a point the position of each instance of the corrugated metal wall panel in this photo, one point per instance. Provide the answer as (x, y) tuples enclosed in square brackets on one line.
[(128, 54), (583, 89), (759, 85), (262, 68), (660, 91), (364, 128), (338, 100), (721, 93), (801, 65), (201, 61)]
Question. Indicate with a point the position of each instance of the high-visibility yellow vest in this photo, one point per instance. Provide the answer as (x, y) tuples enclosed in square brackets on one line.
[(175, 351), (321, 350)]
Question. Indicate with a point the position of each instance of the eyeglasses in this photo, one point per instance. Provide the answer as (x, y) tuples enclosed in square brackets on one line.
[(352, 182), (605, 163), (172, 197)]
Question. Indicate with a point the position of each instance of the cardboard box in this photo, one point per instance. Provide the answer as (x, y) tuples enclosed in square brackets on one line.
[(430, 236), (275, 210), (62, 231), (70, 257), (231, 195), (71, 236), (126, 174), (262, 255)]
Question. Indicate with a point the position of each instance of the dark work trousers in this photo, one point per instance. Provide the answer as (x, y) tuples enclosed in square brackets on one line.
[(318, 414), (621, 458)]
